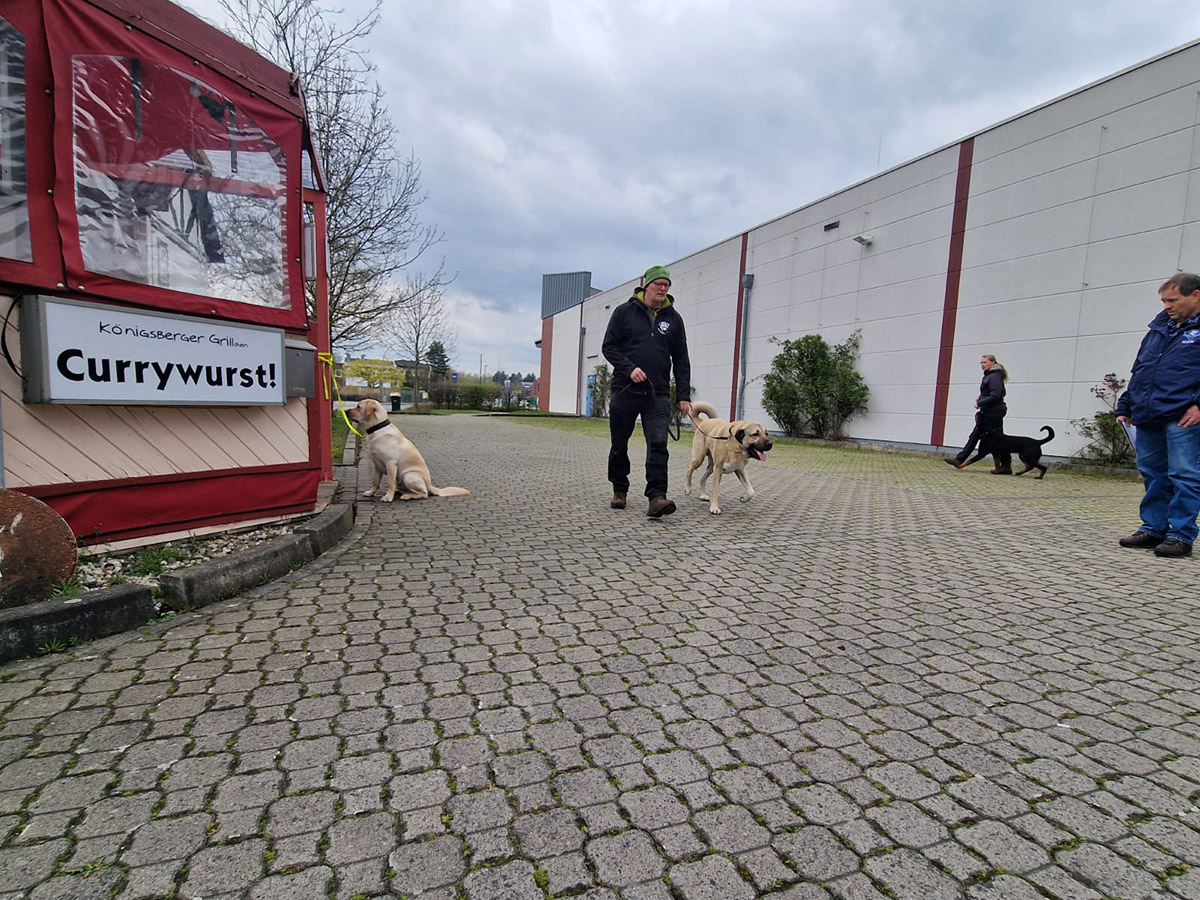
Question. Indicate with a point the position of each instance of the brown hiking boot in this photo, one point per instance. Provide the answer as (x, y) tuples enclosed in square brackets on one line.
[(1141, 539), (618, 500), (1172, 547), (659, 507)]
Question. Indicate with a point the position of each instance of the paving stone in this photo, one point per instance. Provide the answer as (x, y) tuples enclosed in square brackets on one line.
[(479, 811), (624, 860), (731, 829), (854, 730), (1001, 846), (655, 808), (712, 878), (548, 834), (24, 867), (566, 873), (419, 867), (511, 881), (227, 869), (101, 883), (167, 839), (816, 853), (1110, 873), (910, 876), (365, 837), (309, 884)]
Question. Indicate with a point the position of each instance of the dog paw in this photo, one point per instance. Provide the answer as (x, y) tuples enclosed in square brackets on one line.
[(715, 510), (387, 498), (705, 496), (370, 492), (746, 498)]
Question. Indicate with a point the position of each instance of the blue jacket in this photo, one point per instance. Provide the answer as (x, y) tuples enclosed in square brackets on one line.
[(1166, 373)]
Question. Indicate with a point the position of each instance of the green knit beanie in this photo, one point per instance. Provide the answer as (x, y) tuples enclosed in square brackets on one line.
[(654, 273)]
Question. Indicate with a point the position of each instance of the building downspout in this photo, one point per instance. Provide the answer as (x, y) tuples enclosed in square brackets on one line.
[(747, 283)]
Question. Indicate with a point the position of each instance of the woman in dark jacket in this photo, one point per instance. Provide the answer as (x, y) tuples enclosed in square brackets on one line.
[(989, 417)]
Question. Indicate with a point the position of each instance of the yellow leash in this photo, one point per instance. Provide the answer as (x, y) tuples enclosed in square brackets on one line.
[(326, 360)]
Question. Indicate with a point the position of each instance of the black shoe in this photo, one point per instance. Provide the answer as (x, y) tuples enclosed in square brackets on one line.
[(1172, 547), (659, 507), (618, 500), (1142, 540), (1002, 470), (953, 462)]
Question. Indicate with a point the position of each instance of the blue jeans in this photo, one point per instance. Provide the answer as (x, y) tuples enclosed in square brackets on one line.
[(1168, 457)]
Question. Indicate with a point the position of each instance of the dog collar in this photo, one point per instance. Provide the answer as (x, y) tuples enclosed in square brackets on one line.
[(375, 428)]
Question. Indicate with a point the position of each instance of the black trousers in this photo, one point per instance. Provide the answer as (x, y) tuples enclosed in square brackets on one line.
[(984, 424), (623, 411)]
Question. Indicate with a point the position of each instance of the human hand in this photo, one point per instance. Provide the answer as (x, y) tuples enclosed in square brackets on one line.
[(685, 407), (1124, 420), (637, 375), (1191, 417)]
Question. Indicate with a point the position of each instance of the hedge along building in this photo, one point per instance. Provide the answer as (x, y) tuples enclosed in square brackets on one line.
[(1042, 240), (161, 211)]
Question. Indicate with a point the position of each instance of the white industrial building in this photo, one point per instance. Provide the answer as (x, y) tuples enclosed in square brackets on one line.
[(1041, 239)]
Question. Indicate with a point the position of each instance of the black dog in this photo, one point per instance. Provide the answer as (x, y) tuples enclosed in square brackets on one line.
[(1028, 449)]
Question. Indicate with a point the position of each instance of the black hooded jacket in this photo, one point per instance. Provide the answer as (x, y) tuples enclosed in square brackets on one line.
[(991, 394), (639, 337)]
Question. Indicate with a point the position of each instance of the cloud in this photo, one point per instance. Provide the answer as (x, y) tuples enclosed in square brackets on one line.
[(606, 135)]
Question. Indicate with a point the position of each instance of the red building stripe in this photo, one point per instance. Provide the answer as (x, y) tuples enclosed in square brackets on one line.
[(958, 229), (737, 328)]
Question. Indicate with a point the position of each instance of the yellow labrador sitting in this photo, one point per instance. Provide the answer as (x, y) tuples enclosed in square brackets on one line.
[(396, 456), (727, 446)]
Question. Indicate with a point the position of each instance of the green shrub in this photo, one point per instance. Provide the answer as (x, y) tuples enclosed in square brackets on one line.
[(601, 390), (1107, 442), (813, 387), (479, 396)]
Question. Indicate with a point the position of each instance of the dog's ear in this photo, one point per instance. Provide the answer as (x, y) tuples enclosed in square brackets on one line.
[(741, 433)]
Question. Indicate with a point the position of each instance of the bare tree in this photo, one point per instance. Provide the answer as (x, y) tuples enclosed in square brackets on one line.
[(373, 193), (418, 318)]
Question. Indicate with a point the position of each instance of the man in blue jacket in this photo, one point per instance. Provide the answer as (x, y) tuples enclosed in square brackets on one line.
[(1163, 402), (645, 338)]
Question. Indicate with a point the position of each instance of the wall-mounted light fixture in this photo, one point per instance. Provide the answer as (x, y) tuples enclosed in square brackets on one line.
[(865, 239)]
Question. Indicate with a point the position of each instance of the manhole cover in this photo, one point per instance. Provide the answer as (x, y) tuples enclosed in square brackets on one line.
[(37, 550)]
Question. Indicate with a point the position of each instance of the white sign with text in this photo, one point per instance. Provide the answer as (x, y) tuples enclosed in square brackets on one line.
[(100, 354)]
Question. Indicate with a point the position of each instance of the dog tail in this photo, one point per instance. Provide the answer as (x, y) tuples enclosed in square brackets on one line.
[(698, 407), (1049, 434), (448, 492)]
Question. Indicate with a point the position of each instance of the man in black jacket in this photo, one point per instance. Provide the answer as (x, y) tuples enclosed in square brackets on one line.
[(645, 338)]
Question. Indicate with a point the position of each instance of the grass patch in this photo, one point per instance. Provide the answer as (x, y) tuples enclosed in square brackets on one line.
[(432, 411), (340, 431), (573, 424), (72, 587), (153, 560)]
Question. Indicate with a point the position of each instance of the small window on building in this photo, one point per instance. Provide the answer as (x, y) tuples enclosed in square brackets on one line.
[(14, 189), (174, 185)]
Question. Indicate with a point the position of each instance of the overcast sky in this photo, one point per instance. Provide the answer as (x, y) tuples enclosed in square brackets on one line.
[(608, 135)]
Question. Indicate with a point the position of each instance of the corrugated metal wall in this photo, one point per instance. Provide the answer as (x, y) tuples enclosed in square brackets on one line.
[(564, 290)]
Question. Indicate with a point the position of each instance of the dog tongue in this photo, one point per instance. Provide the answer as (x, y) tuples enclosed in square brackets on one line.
[(759, 455)]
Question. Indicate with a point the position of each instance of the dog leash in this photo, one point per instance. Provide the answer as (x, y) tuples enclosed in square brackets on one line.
[(326, 360)]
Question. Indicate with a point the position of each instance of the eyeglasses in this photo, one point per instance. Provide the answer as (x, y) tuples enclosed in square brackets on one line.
[(659, 283)]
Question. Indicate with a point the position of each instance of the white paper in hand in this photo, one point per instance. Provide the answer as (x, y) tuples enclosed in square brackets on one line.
[(1131, 433)]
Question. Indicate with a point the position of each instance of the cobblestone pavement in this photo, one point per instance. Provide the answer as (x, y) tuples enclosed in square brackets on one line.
[(882, 678)]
